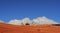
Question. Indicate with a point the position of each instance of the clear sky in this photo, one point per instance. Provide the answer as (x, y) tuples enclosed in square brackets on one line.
[(19, 9)]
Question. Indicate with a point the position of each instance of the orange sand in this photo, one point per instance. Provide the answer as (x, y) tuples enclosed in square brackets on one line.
[(7, 28)]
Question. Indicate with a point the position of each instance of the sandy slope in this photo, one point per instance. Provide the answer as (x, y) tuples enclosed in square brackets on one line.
[(7, 28)]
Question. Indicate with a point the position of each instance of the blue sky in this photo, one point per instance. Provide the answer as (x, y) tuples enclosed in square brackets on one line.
[(19, 9)]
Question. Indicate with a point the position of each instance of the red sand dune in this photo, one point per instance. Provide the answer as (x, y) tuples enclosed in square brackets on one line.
[(7, 28)]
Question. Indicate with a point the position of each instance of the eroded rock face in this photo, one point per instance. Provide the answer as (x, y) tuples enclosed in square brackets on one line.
[(45, 28), (36, 21)]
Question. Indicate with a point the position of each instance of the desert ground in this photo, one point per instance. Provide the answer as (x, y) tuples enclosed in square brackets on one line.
[(8, 28)]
